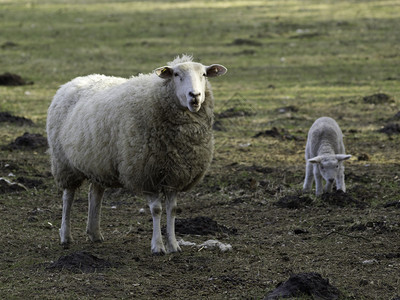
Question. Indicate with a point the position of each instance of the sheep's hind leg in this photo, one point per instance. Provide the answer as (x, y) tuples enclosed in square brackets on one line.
[(172, 244), (157, 245), (65, 230), (93, 223)]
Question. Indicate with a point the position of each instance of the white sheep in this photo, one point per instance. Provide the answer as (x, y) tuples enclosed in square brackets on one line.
[(325, 154), (151, 134)]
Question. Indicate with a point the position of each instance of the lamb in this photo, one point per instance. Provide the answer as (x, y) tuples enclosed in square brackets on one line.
[(325, 154), (151, 134)]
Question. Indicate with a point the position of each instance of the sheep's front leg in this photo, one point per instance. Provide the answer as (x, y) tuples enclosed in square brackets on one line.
[(308, 180), (340, 185), (318, 180), (172, 244), (93, 223), (328, 186), (157, 245), (65, 230)]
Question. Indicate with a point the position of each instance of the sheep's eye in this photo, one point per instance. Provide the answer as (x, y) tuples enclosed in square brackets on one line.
[(322, 167), (337, 166), (176, 74), (204, 74)]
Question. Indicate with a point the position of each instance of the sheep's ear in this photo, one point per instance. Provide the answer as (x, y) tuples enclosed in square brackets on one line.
[(340, 157), (315, 160), (215, 70), (164, 72)]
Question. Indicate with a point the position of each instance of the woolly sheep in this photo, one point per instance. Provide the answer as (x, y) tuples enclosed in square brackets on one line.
[(325, 154), (151, 134)]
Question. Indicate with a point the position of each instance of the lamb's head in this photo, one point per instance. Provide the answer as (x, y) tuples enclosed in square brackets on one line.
[(189, 80), (329, 165)]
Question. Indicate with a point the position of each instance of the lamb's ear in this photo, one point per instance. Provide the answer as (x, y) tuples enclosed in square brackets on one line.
[(315, 160), (340, 157), (215, 70), (164, 72)]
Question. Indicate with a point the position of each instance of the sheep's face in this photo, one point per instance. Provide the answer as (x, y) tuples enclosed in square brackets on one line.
[(329, 166), (190, 81)]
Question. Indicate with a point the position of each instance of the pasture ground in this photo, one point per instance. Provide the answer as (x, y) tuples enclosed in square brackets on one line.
[(289, 62)]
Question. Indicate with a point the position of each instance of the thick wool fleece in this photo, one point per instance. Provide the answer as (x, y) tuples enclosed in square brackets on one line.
[(128, 132), (324, 138)]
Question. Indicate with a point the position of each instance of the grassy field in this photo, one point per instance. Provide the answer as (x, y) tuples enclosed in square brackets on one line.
[(289, 62)]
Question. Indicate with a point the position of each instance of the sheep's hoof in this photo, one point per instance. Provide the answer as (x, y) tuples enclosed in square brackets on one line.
[(174, 249), (96, 238), (65, 245)]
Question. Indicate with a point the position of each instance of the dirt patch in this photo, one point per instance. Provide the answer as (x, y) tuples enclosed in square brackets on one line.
[(10, 79), (379, 98), (7, 117), (245, 42), (294, 201), (391, 128), (305, 284), (27, 141), (395, 204), (233, 113), (282, 134), (201, 226), (80, 262), (341, 199), (29, 182)]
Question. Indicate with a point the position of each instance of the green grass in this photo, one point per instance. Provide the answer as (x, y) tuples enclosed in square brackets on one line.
[(322, 57)]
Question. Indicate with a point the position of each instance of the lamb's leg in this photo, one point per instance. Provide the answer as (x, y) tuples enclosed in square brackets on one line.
[(157, 245), (65, 230), (328, 187), (340, 185), (318, 181), (172, 245), (308, 180), (93, 223)]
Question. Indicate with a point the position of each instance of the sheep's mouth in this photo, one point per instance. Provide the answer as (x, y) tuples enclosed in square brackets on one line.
[(194, 107)]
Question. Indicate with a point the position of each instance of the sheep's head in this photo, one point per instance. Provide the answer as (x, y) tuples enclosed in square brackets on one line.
[(329, 165), (190, 81)]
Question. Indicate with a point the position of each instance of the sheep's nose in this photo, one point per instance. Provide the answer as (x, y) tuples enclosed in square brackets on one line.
[(331, 180), (194, 95)]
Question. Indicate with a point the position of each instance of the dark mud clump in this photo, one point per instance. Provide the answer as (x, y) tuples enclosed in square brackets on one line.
[(245, 42), (294, 201), (80, 262), (391, 128), (305, 284), (10, 79), (201, 226), (341, 199), (29, 182), (379, 98), (395, 204), (233, 113), (7, 117), (282, 134), (27, 141)]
